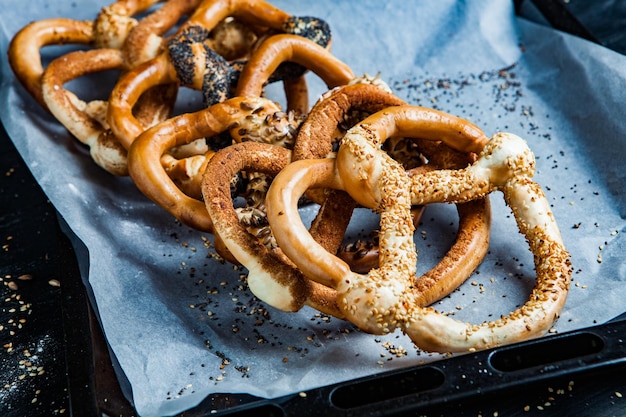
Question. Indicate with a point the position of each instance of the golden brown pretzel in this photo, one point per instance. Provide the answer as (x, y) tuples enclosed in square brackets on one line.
[(144, 157), (472, 240), (109, 28), (290, 48), (145, 41), (82, 119), (115, 21), (272, 277), (278, 128), (24, 50), (315, 140), (384, 300)]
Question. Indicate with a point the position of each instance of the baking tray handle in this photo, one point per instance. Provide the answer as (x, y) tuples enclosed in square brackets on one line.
[(457, 378)]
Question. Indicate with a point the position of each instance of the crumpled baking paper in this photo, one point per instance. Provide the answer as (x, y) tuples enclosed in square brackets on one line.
[(181, 325)]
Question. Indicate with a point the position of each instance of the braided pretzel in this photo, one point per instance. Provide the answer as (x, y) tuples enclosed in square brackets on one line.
[(194, 64), (385, 299), (272, 277)]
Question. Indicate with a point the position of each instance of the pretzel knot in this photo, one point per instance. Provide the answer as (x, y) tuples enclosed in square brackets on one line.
[(385, 299)]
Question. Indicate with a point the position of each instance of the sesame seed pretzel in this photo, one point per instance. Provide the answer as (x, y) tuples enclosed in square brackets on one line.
[(272, 277), (472, 239), (317, 134), (191, 60), (363, 98), (385, 299), (506, 164)]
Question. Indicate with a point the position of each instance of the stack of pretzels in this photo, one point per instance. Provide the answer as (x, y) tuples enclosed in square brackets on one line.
[(241, 166)]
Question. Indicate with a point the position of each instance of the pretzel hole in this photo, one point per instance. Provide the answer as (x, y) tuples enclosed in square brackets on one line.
[(93, 86), (48, 53)]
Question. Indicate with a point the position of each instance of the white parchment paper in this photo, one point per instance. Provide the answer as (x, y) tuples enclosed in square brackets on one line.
[(182, 325)]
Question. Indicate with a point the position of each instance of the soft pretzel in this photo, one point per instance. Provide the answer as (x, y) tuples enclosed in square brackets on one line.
[(474, 224), (278, 128), (315, 141), (108, 30), (506, 164), (115, 21), (84, 120), (144, 157), (385, 299), (283, 48), (146, 39), (273, 278)]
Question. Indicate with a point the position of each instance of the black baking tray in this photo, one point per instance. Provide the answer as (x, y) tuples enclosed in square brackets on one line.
[(581, 373)]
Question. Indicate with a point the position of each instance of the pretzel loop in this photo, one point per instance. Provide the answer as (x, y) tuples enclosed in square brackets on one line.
[(24, 49), (144, 158), (507, 165), (385, 299), (272, 277)]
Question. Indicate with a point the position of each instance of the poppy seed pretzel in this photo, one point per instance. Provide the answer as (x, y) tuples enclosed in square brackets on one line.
[(191, 61), (278, 127), (245, 118)]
